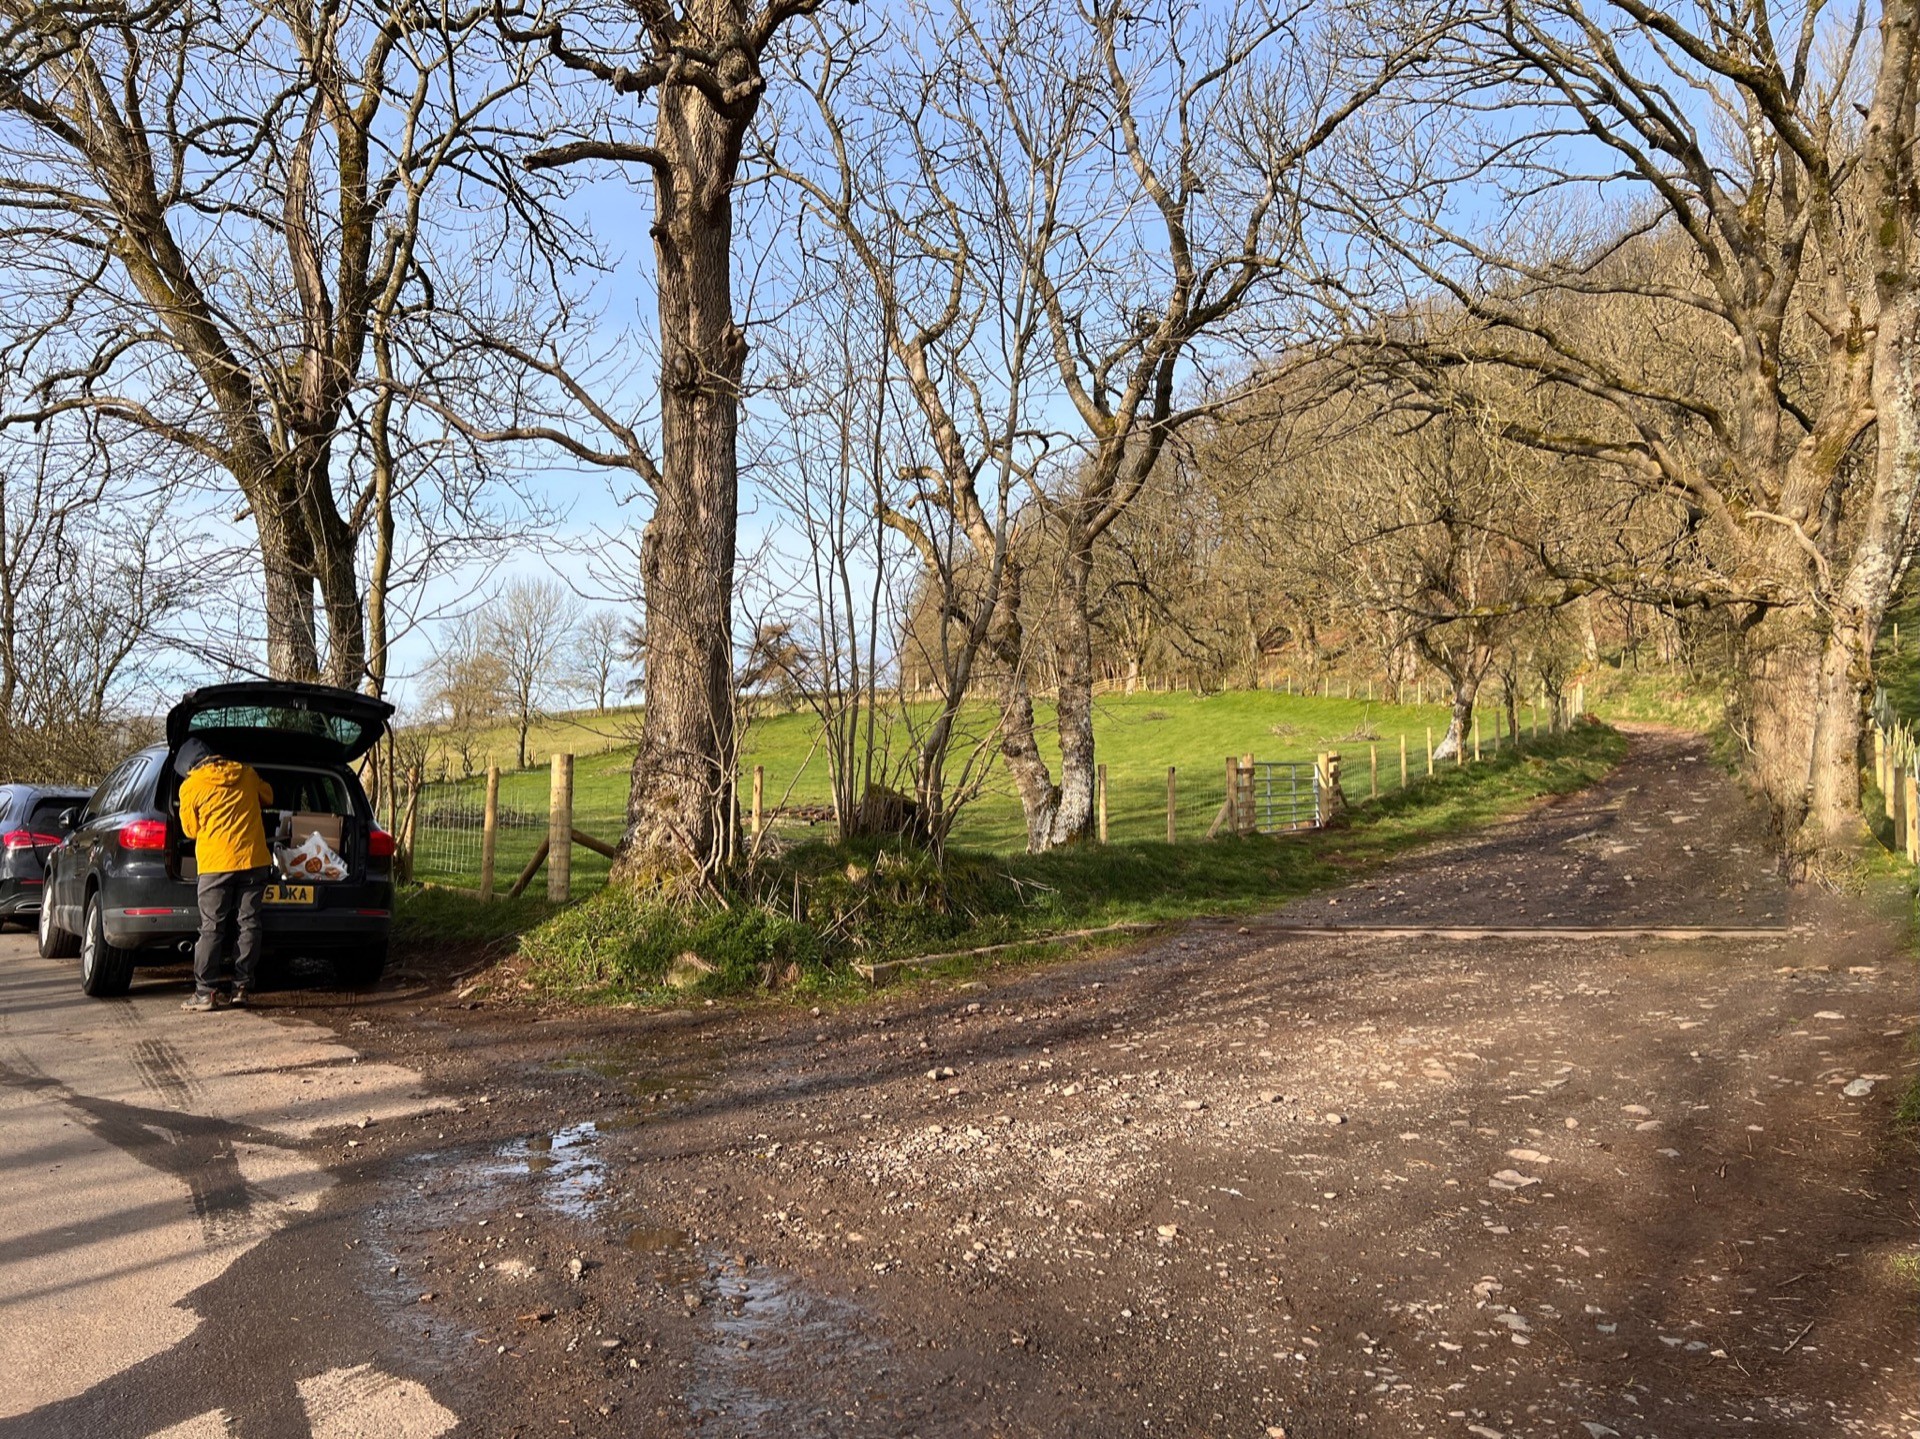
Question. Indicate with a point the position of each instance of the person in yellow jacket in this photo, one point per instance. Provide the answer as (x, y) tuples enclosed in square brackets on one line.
[(220, 811)]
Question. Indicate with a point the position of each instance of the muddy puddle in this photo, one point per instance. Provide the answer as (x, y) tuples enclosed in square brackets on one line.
[(643, 1073), (768, 1337), (565, 1167)]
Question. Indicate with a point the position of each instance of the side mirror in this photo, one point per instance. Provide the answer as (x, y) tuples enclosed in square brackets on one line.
[(69, 817)]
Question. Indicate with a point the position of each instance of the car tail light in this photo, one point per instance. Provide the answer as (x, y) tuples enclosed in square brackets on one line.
[(380, 845), (144, 834), (28, 839)]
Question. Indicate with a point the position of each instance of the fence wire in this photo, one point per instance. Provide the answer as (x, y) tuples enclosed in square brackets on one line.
[(449, 824)]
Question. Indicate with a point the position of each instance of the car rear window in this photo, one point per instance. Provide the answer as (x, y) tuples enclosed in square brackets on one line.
[(45, 815), (307, 791), (342, 731)]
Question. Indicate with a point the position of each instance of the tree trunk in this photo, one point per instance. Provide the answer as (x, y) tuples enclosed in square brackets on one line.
[(338, 577), (1589, 640), (380, 575), (680, 811), (1466, 688), (1073, 644), (287, 565), (1876, 566), (1019, 746)]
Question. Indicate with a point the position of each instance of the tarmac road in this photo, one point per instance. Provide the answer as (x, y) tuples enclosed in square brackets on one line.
[(145, 1155)]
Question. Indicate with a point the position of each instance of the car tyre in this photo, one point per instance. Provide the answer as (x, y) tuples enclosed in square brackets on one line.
[(361, 968), (55, 942), (106, 970)]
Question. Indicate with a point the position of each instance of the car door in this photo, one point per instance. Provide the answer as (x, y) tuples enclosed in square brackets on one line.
[(81, 853)]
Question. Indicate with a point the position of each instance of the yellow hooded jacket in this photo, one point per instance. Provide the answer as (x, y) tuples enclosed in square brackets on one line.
[(220, 812)]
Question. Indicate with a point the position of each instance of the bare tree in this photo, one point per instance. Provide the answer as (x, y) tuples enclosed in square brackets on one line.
[(1709, 263), (600, 646), (1123, 186), (91, 579), (211, 264), (830, 586), (525, 630), (468, 688), (695, 71)]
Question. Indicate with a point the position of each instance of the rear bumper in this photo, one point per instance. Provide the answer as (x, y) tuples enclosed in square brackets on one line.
[(19, 896), (160, 914)]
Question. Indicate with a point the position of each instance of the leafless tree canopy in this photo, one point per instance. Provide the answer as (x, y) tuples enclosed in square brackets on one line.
[(1053, 341)]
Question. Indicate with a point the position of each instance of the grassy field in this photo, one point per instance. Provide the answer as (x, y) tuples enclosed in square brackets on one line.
[(1660, 696), (1139, 738), (877, 902)]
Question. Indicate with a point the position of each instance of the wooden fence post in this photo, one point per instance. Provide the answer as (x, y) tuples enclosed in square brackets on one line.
[(1172, 796), (1403, 759), (1893, 796), (1476, 735), (560, 830), (1248, 821), (1373, 771), (1429, 751), (410, 827), (489, 832), (1913, 816), (759, 793), (1100, 798), (1883, 772)]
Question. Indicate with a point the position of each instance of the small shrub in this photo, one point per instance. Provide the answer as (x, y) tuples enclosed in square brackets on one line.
[(625, 941)]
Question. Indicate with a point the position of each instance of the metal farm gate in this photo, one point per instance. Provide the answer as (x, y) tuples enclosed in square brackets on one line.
[(1286, 796), (1269, 797)]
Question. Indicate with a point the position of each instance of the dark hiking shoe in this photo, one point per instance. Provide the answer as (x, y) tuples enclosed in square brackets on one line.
[(204, 1003)]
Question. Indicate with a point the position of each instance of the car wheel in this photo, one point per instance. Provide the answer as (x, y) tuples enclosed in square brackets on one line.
[(106, 970), (362, 968), (55, 942)]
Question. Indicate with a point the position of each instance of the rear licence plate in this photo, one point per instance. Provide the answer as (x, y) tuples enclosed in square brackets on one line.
[(289, 894)]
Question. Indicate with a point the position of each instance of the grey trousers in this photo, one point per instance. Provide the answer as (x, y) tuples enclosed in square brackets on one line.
[(229, 906)]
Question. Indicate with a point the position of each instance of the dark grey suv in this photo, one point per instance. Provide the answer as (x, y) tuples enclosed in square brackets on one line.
[(120, 888)]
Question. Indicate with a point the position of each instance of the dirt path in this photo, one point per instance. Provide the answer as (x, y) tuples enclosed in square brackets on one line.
[(1232, 1183), (1236, 1182)]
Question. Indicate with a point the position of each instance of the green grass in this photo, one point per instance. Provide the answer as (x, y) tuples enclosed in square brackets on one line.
[(1896, 662), (425, 917), (1138, 737), (876, 903), (1668, 696)]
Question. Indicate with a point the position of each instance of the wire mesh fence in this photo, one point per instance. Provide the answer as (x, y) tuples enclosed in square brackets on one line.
[(446, 819), (446, 823)]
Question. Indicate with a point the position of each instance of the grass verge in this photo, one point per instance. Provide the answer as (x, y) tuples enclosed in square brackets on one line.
[(877, 903)]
